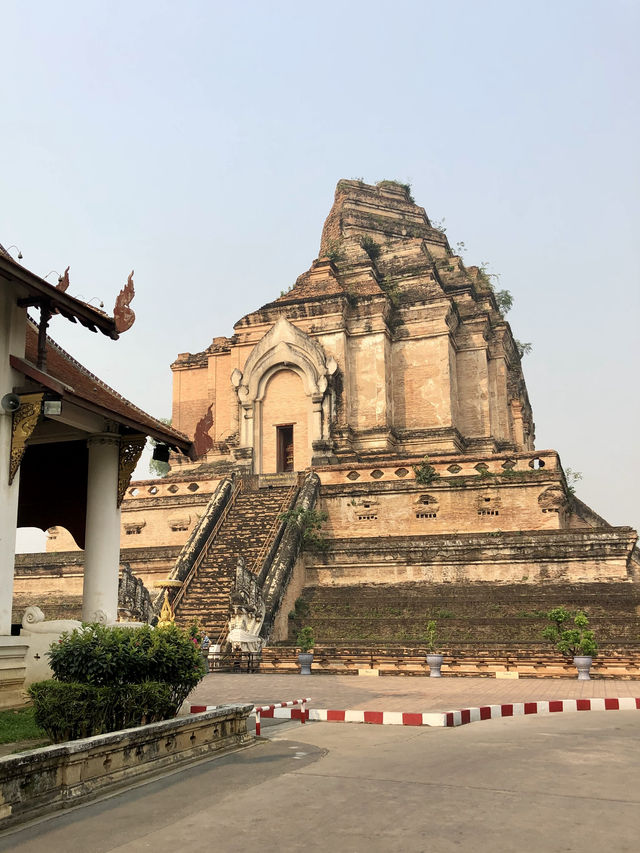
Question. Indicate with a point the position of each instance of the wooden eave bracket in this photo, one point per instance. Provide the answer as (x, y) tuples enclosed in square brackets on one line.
[(24, 422), (131, 447)]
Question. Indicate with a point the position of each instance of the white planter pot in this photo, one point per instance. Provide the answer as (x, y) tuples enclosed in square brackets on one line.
[(583, 665), (435, 663)]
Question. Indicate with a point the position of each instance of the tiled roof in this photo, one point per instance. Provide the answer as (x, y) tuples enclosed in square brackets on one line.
[(89, 389)]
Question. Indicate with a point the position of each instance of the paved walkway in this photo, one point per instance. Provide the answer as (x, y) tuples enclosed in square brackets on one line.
[(565, 783), (399, 693)]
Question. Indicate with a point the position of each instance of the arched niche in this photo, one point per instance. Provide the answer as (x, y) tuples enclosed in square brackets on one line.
[(283, 348)]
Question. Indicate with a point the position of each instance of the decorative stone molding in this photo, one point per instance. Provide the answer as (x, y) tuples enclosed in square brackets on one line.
[(552, 499), (24, 421), (34, 622), (100, 617), (247, 611), (133, 527), (284, 345)]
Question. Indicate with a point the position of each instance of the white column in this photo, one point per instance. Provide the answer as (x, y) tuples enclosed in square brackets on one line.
[(13, 322), (8, 521), (102, 543)]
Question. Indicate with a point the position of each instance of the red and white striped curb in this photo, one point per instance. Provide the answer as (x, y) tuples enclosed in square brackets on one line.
[(277, 709), (263, 709), (382, 718), (519, 709), (445, 719)]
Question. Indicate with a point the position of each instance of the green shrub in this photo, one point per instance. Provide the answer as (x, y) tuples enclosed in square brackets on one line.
[(309, 522), (425, 472), (305, 639), (570, 641), (107, 657), (67, 710), (431, 637), (371, 247)]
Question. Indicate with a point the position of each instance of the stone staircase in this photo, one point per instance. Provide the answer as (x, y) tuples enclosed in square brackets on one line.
[(245, 531)]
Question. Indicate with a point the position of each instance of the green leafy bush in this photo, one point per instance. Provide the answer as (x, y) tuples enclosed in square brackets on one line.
[(309, 522), (371, 247), (431, 637), (109, 678), (67, 711), (106, 656), (305, 639), (425, 472), (570, 641)]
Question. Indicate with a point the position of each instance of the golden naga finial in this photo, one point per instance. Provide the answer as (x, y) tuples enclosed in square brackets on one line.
[(167, 616)]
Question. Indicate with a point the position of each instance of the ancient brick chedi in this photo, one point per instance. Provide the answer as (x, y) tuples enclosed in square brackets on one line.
[(389, 349)]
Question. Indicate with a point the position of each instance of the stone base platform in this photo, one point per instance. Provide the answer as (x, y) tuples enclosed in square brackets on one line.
[(491, 662)]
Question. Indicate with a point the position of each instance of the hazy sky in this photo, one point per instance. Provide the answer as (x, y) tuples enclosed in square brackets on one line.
[(200, 144)]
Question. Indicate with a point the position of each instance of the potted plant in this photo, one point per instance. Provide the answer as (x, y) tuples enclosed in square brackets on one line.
[(305, 642), (434, 658), (578, 642)]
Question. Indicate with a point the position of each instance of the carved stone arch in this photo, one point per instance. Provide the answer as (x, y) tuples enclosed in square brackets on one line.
[(287, 346), (284, 347)]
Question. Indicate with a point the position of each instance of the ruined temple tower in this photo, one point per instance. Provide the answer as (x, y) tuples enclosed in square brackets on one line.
[(387, 348), (389, 371)]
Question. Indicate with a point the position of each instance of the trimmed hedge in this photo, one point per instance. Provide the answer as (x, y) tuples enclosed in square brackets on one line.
[(110, 678), (105, 656), (67, 711)]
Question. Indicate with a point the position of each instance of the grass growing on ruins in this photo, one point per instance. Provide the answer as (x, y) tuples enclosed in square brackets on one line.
[(18, 725)]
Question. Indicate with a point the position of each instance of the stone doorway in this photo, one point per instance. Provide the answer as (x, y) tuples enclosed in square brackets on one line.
[(284, 448)]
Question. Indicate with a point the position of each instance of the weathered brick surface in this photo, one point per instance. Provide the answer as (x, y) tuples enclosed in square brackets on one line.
[(475, 613), (418, 339)]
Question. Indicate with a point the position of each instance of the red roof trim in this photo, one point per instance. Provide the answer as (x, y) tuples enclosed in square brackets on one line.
[(56, 300)]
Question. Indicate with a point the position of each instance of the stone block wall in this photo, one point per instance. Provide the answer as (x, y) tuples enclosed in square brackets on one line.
[(471, 494)]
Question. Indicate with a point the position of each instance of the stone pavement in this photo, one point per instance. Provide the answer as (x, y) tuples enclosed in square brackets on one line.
[(399, 693), (564, 783)]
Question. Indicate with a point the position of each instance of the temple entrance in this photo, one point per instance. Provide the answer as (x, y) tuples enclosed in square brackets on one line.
[(284, 448), (283, 425)]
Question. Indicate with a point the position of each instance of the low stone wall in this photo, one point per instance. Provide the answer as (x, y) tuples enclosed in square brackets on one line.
[(54, 777)]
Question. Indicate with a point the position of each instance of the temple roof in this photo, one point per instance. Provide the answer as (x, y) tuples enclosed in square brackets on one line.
[(77, 384), (38, 291)]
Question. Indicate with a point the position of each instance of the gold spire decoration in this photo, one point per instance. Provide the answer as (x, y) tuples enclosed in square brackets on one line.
[(167, 616)]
